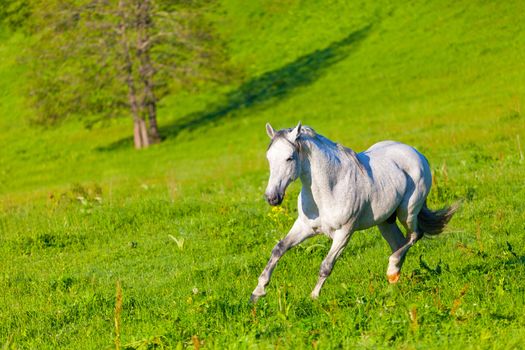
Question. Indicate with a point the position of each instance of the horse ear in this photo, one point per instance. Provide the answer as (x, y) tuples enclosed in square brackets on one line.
[(296, 132), (270, 131)]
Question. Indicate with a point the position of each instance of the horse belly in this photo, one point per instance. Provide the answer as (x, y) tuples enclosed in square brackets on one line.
[(380, 212), (383, 201)]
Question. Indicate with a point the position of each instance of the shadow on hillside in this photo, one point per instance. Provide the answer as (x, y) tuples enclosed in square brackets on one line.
[(275, 84)]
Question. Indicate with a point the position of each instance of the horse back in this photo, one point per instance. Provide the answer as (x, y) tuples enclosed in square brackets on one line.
[(388, 155)]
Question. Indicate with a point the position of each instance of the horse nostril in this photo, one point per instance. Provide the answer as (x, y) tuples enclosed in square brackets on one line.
[(274, 200)]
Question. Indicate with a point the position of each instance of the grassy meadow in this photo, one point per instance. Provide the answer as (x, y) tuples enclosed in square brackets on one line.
[(102, 245)]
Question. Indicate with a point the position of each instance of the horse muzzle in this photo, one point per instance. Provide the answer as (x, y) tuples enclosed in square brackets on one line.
[(274, 199)]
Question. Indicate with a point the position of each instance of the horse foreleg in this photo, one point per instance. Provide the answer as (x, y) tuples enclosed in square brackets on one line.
[(340, 239), (298, 233)]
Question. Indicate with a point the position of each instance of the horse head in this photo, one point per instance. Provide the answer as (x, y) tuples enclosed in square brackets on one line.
[(283, 158)]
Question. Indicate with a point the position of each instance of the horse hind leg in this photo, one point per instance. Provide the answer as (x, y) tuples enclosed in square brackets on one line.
[(421, 221), (396, 260), (392, 234), (414, 234)]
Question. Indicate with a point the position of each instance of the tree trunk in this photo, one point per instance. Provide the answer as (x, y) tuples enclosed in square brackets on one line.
[(140, 135), (146, 70)]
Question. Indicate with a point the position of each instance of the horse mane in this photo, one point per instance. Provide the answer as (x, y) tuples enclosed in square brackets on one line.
[(309, 133), (350, 153)]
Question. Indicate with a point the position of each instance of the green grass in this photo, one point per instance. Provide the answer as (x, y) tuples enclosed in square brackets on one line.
[(185, 230)]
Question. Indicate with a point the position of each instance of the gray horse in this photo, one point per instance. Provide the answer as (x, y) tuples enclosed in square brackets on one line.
[(344, 191)]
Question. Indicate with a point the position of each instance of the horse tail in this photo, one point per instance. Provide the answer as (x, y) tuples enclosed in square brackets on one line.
[(433, 222)]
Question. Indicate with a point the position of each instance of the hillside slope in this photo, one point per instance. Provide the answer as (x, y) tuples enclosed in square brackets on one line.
[(344, 69), (409, 66)]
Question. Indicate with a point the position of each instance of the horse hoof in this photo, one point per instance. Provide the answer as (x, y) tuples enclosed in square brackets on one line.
[(393, 278), (254, 298)]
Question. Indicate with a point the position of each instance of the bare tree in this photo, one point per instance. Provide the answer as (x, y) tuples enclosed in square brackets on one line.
[(143, 103), (146, 69), (97, 58)]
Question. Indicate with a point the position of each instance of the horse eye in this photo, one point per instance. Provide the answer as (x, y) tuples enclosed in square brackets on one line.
[(289, 159)]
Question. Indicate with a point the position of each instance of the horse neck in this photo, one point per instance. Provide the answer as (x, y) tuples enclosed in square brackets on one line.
[(322, 163)]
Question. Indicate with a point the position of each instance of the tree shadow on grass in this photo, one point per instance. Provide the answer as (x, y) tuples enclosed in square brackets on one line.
[(275, 84)]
